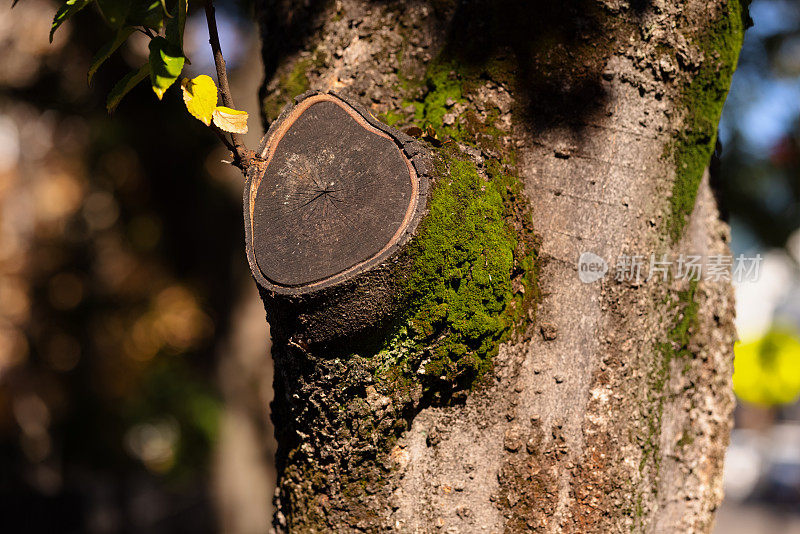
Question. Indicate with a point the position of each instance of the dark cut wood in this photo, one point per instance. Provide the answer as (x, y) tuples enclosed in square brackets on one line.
[(330, 202), (335, 193)]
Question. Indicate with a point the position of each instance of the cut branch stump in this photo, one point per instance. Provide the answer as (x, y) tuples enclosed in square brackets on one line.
[(329, 207)]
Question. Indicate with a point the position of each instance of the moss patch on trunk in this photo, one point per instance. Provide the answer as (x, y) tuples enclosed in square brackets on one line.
[(472, 277), (685, 306), (702, 101), (290, 84), (471, 281)]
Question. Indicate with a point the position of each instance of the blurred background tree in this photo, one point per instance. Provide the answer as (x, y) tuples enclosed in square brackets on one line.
[(122, 287), (759, 186)]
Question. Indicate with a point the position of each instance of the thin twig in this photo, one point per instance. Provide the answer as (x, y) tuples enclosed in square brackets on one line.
[(240, 152), (224, 140), (219, 59)]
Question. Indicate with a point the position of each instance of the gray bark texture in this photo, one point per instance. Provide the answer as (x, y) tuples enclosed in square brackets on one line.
[(611, 411)]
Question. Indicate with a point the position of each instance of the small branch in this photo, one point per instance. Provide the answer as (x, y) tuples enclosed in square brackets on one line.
[(242, 157), (224, 139), (240, 152), (219, 60)]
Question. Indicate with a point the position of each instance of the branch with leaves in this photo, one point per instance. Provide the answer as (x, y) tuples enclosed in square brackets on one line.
[(163, 22)]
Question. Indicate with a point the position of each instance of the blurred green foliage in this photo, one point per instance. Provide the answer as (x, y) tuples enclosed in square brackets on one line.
[(151, 17)]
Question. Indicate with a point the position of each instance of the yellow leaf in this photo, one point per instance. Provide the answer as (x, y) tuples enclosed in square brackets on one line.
[(230, 120), (200, 96)]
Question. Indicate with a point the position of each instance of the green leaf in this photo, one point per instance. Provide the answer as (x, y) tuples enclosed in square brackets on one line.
[(146, 13), (69, 8), (124, 86), (114, 11), (105, 52), (176, 25), (166, 63)]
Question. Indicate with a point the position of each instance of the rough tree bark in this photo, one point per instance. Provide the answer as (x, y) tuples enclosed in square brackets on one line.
[(504, 394)]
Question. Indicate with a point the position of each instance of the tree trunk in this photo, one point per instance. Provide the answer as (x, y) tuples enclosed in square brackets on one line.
[(500, 392)]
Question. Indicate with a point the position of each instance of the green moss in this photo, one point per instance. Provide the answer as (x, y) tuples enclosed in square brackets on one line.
[(685, 307), (471, 281), (443, 90), (297, 81), (702, 101), (472, 277), (686, 439), (391, 117), (289, 86), (677, 344)]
